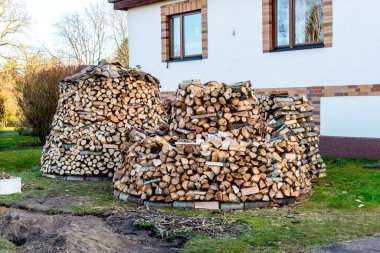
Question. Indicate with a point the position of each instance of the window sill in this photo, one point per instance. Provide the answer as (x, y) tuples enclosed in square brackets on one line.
[(303, 47), (194, 58)]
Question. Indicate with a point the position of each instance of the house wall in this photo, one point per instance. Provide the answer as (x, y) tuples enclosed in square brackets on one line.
[(353, 59), (350, 68), (343, 120)]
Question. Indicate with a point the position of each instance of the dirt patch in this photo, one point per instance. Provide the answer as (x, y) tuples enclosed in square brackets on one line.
[(61, 202), (37, 232), (137, 230)]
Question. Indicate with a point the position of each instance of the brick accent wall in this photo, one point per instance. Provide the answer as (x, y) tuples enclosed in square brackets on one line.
[(177, 8), (315, 93), (328, 22), (267, 26), (268, 40)]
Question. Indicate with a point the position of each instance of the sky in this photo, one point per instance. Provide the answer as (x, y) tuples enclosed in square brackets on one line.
[(45, 13)]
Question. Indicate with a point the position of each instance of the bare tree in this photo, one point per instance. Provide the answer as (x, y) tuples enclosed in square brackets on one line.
[(86, 35), (93, 35), (74, 33), (98, 22), (119, 28), (118, 25), (12, 22)]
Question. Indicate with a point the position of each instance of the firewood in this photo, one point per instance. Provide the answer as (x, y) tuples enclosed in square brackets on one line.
[(95, 110), (224, 144)]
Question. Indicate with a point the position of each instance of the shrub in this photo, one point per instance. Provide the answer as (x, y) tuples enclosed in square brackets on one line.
[(37, 93)]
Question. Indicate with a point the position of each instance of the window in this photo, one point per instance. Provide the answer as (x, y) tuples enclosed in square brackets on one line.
[(297, 23), (184, 31), (186, 35)]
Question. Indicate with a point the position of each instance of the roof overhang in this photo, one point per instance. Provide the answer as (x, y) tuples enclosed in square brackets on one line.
[(126, 4)]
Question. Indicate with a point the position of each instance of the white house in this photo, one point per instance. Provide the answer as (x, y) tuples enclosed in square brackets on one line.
[(325, 49)]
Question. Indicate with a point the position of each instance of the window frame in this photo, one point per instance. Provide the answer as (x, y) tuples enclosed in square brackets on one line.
[(182, 36), (292, 36)]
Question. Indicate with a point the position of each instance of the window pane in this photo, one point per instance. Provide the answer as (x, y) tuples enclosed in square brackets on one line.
[(282, 26), (176, 36), (193, 34), (309, 21)]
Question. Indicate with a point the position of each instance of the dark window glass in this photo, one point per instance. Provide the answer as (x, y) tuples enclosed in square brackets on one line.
[(193, 34)]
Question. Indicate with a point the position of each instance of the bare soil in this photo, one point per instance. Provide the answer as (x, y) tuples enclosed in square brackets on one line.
[(54, 202), (34, 229), (38, 232)]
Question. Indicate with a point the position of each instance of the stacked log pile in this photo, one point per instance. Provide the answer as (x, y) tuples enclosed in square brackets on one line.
[(224, 145), (201, 110), (95, 110), (292, 117)]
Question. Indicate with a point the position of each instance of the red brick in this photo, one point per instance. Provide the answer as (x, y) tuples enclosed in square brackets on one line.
[(315, 88)]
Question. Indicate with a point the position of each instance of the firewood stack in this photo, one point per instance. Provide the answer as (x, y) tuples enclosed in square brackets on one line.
[(223, 170), (200, 110), (292, 118), (223, 145), (95, 110)]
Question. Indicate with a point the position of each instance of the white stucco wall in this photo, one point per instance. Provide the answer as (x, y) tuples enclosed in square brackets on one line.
[(354, 58), (350, 116)]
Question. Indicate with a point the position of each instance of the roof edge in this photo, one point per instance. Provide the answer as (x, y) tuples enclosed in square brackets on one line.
[(127, 4)]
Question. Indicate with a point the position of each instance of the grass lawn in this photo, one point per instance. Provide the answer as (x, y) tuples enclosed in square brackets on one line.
[(24, 164), (8, 142), (333, 214)]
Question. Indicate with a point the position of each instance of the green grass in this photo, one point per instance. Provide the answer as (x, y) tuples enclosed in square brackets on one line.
[(8, 142), (20, 161), (24, 163), (333, 214), (7, 247)]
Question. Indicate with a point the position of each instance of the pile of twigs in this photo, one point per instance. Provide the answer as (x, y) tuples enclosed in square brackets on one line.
[(173, 226)]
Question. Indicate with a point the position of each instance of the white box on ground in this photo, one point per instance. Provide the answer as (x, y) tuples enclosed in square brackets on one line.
[(10, 186)]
